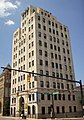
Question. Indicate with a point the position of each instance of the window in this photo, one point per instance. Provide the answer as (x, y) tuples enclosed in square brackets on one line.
[(67, 51), (61, 75), (32, 62), (70, 109), (51, 46), (53, 74), (32, 96), (57, 75), (66, 76), (68, 86), (64, 59), (54, 38), (32, 84), (32, 53), (29, 46), (41, 62), (48, 96), (32, 44), (62, 85), (52, 23), (61, 27), (47, 73), (59, 57), (50, 30), (53, 31), (28, 110), (41, 84), (31, 19), (74, 97), (55, 56), (41, 72), (66, 36), (54, 85), (39, 34), (29, 64), (69, 97), (29, 85), (58, 110), (40, 52), (23, 76), (59, 96), (63, 109), (67, 44), (45, 36), (64, 29), (59, 49), (58, 85), (50, 38), (43, 110), (40, 43), (74, 108), (49, 110), (45, 44), (42, 96), (46, 63), (56, 25), (55, 96), (63, 96), (44, 20), (61, 34), (39, 26), (52, 64), (62, 42), (18, 79), (31, 26), (44, 27), (38, 17), (29, 97), (52, 56), (46, 54), (23, 67), (54, 47), (24, 87), (49, 22), (33, 109), (57, 32), (60, 66), (63, 50), (47, 84)]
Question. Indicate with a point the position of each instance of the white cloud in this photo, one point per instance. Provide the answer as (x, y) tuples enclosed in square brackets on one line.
[(6, 7), (18, 3), (9, 22)]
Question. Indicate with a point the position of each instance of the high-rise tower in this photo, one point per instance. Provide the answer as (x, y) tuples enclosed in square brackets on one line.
[(42, 45)]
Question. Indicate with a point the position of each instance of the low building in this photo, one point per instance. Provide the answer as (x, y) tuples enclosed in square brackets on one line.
[(5, 87)]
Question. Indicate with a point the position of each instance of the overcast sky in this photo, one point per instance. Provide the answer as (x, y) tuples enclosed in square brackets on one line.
[(68, 12)]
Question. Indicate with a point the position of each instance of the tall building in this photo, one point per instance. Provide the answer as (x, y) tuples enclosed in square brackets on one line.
[(5, 87), (42, 45)]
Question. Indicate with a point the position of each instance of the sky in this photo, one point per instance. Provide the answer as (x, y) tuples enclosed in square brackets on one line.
[(68, 12)]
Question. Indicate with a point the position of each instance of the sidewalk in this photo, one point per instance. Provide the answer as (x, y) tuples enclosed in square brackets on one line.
[(20, 118)]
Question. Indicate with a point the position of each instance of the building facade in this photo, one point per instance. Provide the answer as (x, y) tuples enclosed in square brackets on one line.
[(5, 88), (42, 45)]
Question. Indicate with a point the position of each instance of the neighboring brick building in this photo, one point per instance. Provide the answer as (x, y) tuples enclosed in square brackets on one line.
[(5, 88), (42, 45)]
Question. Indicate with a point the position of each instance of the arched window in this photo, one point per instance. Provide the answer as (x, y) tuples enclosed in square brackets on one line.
[(33, 109), (29, 110)]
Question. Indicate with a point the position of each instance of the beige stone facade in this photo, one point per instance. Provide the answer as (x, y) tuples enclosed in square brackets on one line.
[(5, 88), (42, 45)]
